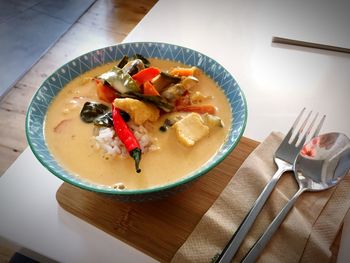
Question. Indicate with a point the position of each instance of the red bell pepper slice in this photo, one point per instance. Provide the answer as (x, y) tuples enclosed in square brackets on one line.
[(146, 74), (150, 89)]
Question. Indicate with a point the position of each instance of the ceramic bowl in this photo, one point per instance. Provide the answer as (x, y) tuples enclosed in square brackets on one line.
[(54, 83)]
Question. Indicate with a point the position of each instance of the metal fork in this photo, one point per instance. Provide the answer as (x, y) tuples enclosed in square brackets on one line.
[(284, 158)]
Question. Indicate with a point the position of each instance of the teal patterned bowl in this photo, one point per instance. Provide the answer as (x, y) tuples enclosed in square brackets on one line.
[(54, 83)]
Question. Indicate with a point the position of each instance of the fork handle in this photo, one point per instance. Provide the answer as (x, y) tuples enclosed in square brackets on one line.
[(233, 245), (259, 245)]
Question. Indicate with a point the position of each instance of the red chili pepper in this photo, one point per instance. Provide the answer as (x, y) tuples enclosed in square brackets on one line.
[(127, 137)]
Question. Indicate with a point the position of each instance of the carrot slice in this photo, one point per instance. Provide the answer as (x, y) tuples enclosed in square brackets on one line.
[(197, 108), (185, 72), (149, 89), (146, 74)]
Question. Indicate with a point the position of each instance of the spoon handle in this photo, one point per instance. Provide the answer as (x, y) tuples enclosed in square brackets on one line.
[(233, 245), (259, 245)]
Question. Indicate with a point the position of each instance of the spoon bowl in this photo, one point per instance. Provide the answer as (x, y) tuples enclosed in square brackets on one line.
[(321, 164)]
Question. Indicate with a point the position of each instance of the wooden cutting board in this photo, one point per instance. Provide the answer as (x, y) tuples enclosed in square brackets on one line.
[(158, 228)]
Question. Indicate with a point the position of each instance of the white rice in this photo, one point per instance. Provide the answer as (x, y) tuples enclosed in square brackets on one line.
[(110, 144)]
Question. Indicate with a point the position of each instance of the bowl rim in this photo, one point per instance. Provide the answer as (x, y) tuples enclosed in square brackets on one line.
[(159, 188)]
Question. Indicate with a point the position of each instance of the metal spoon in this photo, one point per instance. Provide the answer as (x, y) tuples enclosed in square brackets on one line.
[(321, 164)]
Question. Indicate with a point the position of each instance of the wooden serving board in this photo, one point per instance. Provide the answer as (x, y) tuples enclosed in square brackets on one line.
[(158, 228)]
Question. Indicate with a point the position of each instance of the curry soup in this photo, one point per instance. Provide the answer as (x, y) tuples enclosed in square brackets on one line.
[(72, 143)]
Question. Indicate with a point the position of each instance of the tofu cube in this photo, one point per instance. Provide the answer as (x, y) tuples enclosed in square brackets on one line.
[(138, 110), (190, 129)]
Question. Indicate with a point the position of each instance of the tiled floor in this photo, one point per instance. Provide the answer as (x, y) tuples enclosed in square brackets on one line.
[(28, 29)]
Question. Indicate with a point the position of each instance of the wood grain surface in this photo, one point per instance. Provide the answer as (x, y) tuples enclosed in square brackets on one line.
[(158, 228)]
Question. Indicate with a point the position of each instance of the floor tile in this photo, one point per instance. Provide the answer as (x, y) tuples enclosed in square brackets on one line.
[(28, 29), (27, 3), (23, 41), (9, 9), (67, 10)]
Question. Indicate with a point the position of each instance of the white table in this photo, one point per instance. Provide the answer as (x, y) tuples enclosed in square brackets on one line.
[(278, 81)]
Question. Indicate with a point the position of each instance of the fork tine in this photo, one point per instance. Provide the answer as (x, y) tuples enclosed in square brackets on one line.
[(302, 141), (317, 131), (290, 132), (296, 138), (311, 125)]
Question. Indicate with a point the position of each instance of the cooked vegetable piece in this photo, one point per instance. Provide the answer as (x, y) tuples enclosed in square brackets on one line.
[(163, 128), (197, 97), (120, 81), (190, 129), (183, 101), (123, 62), (133, 66), (127, 137), (185, 72), (149, 89), (146, 74), (212, 120), (91, 110), (197, 108), (189, 82), (164, 80), (173, 92), (144, 60), (138, 110), (104, 92), (125, 115), (167, 124), (158, 101), (104, 120)]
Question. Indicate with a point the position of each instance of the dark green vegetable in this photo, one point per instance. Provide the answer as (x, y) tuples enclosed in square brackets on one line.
[(170, 77), (120, 81), (92, 110), (136, 155), (166, 125), (123, 62), (163, 128), (106, 119), (164, 80), (125, 115), (133, 66), (144, 60), (212, 120), (173, 92)]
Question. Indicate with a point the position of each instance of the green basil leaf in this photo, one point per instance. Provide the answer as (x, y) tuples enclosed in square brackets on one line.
[(120, 81), (91, 110)]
